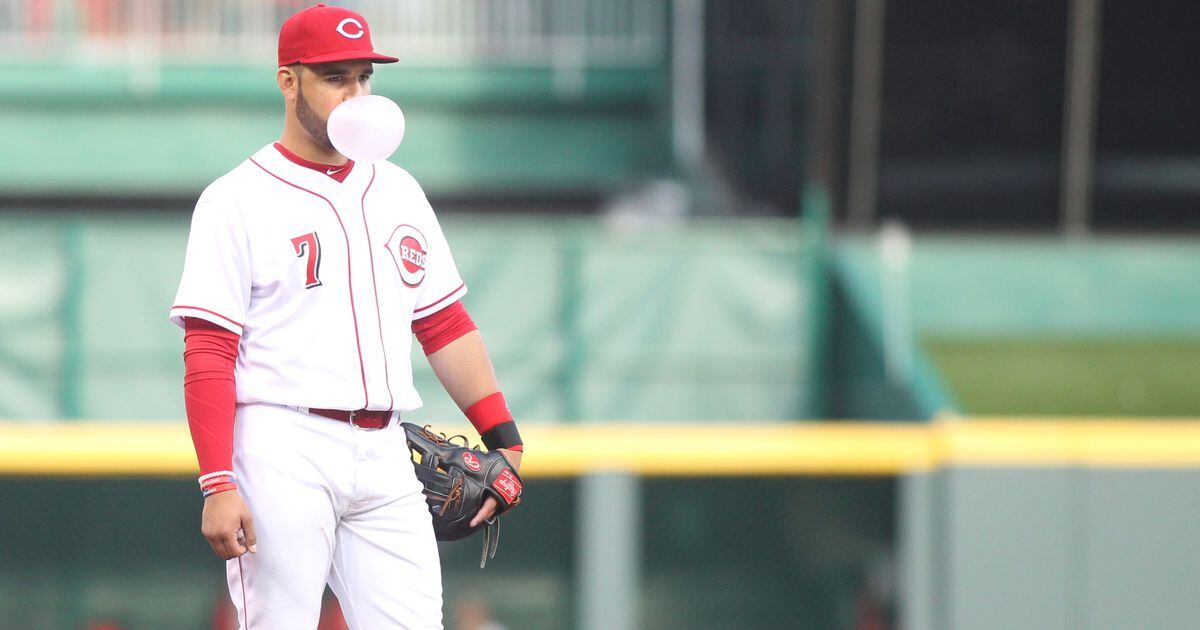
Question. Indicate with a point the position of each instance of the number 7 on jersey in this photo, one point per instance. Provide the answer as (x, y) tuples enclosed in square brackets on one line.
[(309, 244)]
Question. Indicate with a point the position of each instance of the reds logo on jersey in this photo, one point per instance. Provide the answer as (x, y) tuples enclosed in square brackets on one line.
[(408, 249), (471, 461)]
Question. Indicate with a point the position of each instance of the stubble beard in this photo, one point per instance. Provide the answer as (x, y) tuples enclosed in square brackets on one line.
[(317, 127)]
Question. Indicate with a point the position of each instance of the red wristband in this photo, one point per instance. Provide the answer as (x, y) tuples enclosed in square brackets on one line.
[(495, 424), (221, 487), (488, 412)]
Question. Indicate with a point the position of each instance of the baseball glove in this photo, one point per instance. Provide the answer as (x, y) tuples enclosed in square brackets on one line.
[(457, 480)]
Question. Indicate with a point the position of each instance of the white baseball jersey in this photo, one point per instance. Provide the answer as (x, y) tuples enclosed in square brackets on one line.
[(321, 279)]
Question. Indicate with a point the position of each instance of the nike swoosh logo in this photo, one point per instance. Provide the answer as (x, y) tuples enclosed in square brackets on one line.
[(334, 171)]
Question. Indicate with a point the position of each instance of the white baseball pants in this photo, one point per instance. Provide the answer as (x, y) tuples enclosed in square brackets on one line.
[(331, 504)]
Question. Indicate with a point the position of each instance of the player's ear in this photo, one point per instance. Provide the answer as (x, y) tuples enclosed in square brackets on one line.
[(288, 78)]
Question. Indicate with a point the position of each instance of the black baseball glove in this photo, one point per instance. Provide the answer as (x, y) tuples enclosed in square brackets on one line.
[(457, 480)]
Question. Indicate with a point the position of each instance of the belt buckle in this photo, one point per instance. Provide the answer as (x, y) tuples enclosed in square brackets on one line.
[(353, 415)]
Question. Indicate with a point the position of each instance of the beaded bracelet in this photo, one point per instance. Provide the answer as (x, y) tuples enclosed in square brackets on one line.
[(218, 481), (208, 478)]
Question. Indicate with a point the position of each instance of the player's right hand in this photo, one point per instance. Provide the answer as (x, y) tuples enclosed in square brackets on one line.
[(228, 525)]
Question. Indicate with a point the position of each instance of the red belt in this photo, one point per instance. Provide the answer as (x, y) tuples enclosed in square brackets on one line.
[(360, 418)]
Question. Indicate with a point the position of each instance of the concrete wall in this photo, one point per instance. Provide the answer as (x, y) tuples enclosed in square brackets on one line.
[(1049, 548)]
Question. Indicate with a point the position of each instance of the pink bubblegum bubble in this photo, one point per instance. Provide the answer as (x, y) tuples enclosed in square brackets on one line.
[(366, 128)]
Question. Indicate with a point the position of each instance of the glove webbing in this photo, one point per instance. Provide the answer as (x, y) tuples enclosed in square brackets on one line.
[(455, 494)]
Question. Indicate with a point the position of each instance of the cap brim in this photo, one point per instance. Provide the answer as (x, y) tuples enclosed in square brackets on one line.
[(348, 55)]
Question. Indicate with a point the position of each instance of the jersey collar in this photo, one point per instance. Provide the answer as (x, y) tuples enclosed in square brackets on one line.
[(279, 165), (337, 173)]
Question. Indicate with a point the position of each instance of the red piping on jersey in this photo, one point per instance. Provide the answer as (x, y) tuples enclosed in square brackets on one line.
[(204, 310), (362, 205), (349, 276), (439, 301)]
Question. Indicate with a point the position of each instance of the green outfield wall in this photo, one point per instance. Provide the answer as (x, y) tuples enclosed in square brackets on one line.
[(702, 321), (720, 320)]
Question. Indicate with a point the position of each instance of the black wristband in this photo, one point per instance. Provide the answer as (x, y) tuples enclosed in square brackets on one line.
[(503, 435)]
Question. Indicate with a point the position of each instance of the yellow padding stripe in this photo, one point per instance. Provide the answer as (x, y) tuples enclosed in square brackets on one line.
[(830, 448)]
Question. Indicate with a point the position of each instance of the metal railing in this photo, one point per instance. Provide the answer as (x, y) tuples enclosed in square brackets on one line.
[(548, 33)]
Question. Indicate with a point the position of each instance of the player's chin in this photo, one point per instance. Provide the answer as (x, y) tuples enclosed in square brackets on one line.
[(321, 139)]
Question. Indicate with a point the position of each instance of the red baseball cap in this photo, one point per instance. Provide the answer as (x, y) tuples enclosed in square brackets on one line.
[(321, 34)]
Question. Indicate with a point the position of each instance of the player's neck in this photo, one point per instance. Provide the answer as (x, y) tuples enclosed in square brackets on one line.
[(298, 142)]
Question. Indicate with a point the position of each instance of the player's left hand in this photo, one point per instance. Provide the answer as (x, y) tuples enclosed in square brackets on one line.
[(490, 504)]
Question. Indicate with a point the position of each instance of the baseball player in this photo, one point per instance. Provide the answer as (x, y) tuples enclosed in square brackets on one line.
[(305, 279)]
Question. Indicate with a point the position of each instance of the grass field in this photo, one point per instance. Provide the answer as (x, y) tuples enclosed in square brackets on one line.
[(1097, 377)]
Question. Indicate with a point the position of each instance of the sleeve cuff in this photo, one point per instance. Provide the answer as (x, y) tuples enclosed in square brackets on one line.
[(440, 303), (180, 312)]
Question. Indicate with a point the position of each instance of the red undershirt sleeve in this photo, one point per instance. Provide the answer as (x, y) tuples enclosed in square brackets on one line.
[(210, 392), (438, 330)]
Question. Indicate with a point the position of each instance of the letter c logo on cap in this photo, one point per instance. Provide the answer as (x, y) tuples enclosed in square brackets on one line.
[(358, 28)]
